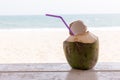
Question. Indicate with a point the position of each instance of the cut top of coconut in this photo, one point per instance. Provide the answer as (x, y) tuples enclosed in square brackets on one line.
[(87, 37), (78, 27)]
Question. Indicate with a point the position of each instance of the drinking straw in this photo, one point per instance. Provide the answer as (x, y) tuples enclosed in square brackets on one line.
[(62, 20)]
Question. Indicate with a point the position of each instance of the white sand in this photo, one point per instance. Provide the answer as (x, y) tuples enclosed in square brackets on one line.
[(43, 46)]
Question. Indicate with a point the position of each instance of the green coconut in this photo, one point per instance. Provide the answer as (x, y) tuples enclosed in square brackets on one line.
[(81, 54), (81, 50)]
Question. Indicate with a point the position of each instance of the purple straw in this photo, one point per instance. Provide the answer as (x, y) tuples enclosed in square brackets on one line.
[(62, 20)]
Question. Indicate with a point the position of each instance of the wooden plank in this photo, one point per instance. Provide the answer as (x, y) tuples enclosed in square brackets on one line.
[(56, 67), (58, 71), (35, 67), (72, 75)]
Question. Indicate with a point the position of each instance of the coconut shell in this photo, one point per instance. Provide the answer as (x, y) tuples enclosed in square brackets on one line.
[(78, 27)]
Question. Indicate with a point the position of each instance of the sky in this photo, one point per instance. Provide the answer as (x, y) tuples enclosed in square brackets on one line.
[(37, 7)]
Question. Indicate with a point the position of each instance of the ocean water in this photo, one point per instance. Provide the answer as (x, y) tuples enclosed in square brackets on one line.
[(42, 21)]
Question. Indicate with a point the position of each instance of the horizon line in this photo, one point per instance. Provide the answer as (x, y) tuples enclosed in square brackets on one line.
[(57, 14)]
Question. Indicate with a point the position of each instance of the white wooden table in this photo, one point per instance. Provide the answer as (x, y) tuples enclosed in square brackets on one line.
[(58, 71)]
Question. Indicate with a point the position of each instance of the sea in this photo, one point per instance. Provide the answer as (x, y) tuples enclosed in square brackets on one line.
[(45, 22)]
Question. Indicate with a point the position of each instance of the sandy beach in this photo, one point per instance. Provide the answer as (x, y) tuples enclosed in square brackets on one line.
[(46, 46)]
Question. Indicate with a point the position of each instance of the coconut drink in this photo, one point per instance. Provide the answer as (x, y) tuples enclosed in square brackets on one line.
[(81, 49)]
